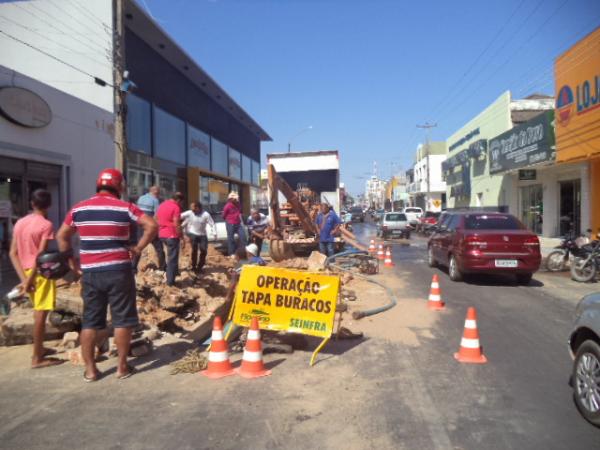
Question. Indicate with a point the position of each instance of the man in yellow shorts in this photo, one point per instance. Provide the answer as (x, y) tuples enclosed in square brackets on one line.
[(30, 238)]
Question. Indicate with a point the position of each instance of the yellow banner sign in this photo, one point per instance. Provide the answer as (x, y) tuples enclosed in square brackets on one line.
[(286, 300)]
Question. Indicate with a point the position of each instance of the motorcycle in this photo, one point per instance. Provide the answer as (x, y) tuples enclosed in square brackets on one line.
[(571, 244), (584, 268)]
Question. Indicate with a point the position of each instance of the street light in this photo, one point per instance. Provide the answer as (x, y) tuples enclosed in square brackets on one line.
[(296, 135)]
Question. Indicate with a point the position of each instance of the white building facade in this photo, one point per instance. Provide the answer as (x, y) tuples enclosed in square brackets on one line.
[(428, 190), (56, 103)]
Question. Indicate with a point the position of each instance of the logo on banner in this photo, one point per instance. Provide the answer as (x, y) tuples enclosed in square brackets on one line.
[(564, 104)]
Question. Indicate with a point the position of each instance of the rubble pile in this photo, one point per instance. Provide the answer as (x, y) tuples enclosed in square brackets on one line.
[(177, 309)]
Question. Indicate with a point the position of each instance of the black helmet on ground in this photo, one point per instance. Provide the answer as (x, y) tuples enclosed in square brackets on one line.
[(52, 265)]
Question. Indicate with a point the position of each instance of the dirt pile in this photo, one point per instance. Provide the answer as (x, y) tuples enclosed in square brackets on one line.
[(194, 296)]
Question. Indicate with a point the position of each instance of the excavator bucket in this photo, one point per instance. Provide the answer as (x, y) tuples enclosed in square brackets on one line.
[(280, 250)]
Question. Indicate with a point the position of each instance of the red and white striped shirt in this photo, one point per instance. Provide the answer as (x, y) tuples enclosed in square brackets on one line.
[(103, 223)]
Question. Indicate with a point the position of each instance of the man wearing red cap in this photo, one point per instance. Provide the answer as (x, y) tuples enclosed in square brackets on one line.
[(103, 223)]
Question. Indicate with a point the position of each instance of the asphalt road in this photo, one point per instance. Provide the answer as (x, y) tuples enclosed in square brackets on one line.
[(399, 387)]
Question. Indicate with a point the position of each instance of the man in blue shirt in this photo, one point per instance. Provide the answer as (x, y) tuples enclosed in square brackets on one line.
[(329, 225), (149, 203)]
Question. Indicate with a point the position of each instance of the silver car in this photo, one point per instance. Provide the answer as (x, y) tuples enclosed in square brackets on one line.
[(393, 224), (584, 345)]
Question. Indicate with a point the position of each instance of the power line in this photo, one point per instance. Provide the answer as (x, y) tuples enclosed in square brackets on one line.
[(496, 53), (60, 44), (488, 46), (56, 28), (97, 80), (60, 21)]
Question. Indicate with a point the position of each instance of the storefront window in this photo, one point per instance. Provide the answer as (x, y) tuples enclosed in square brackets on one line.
[(218, 192), (168, 185), (218, 152), (255, 173), (138, 183), (246, 169), (169, 137), (235, 164), (198, 147), (138, 125)]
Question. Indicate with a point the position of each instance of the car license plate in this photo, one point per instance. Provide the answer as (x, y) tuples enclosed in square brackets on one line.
[(506, 263), (397, 232)]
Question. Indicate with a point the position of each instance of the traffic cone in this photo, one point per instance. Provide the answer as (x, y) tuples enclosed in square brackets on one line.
[(435, 295), (219, 365), (380, 254), (470, 350), (372, 246), (388, 259), (252, 362)]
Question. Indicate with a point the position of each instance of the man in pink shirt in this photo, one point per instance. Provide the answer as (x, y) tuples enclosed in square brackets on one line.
[(232, 214), (169, 233), (30, 238)]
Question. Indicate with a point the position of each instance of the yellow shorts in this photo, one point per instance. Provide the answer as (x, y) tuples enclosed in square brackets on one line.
[(44, 296)]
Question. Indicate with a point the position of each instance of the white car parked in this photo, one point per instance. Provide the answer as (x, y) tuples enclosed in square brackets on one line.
[(413, 214)]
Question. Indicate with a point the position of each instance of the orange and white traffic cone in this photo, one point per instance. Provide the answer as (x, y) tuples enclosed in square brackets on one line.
[(470, 350), (380, 254), (388, 258), (372, 247), (435, 295), (252, 361), (219, 365)]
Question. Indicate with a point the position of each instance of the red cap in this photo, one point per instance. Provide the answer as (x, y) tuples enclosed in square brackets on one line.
[(111, 178)]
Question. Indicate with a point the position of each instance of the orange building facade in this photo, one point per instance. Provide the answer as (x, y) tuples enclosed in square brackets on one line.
[(577, 76)]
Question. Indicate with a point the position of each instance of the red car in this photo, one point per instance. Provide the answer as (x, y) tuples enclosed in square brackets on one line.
[(484, 242), (428, 219)]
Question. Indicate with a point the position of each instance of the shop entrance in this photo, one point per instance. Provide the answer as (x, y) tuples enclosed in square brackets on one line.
[(532, 207), (570, 206)]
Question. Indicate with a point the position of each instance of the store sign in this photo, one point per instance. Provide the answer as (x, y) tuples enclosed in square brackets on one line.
[(528, 144), (527, 175), (24, 107), (467, 137), (198, 148), (577, 80)]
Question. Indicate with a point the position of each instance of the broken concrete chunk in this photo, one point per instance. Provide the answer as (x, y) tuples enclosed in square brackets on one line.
[(316, 261), (70, 340)]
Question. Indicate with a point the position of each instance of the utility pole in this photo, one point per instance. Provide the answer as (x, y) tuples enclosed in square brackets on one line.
[(427, 126), (120, 106)]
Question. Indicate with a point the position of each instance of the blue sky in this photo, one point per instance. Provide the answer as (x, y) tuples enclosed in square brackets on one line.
[(365, 73)]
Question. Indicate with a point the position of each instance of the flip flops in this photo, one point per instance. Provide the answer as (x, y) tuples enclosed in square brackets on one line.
[(130, 371), (91, 379)]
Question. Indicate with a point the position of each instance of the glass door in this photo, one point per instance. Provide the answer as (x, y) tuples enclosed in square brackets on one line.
[(570, 206), (532, 207)]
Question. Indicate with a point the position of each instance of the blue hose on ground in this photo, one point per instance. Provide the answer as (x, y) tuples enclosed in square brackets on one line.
[(369, 312)]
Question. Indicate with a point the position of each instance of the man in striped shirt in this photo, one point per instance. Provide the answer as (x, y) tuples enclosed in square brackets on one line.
[(103, 223)]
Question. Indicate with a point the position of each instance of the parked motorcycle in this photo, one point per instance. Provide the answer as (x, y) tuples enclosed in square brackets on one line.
[(571, 244), (584, 268)]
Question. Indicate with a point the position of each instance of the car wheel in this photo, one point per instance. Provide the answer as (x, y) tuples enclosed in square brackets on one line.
[(524, 278), (431, 262), (586, 381), (453, 270), (384, 235)]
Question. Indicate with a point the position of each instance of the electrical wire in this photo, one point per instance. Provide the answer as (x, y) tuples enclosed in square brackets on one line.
[(96, 79), (58, 29), (60, 44), (488, 46)]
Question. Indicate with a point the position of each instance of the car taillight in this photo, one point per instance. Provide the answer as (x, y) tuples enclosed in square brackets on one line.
[(532, 241), (475, 242)]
